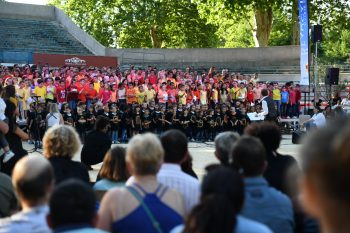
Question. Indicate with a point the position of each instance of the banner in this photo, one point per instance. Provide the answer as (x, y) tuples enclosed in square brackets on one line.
[(304, 42), (59, 60)]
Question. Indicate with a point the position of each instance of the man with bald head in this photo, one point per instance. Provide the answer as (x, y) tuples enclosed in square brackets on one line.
[(33, 180)]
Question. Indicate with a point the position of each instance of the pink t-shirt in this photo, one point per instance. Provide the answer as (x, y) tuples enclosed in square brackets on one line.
[(105, 96)]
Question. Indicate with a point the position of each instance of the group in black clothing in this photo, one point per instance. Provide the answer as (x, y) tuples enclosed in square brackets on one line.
[(198, 122)]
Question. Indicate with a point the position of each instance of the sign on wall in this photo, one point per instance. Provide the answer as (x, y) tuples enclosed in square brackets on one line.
[(58, 60)]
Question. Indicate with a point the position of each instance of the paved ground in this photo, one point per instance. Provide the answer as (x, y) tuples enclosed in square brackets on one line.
[(203, 154)]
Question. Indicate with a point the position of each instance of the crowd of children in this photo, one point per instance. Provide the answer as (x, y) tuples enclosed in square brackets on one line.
[(200, 103)]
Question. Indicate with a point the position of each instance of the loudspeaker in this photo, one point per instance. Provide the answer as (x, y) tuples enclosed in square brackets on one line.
[(316, 33), (332, 76)]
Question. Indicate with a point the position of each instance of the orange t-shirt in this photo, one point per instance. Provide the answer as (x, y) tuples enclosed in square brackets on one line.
[(130, 99)]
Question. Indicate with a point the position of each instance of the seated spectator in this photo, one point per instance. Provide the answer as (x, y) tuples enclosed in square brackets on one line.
[(187, 166), (72, 208), (326, 174), (316, 121), (96, 144), (224, 143), (54, 117), (144, 205), (8, 199), (113, 172), (262, 203), (60, 143), (280, 168), (221, 201), (33, 180), (170, 173)]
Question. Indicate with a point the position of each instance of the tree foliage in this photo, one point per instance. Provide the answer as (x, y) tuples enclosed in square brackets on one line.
[(147, 23)]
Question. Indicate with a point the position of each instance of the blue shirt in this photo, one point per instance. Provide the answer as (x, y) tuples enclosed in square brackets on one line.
[(243, 225), (266, 205), (284, 96)]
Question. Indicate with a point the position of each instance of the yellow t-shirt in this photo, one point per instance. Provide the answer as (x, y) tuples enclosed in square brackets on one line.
[(234, 93), (182, 97), (40, 91), (150, 94), (21, 93), (276, 94), (215, 95), (140, 97), (97, 87), (203, 97)]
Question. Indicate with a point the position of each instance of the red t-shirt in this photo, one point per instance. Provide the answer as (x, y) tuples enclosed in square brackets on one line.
[(250, 97), (61, 94), (153, 79)]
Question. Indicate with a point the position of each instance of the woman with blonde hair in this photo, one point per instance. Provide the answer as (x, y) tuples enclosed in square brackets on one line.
[(60, 144), (54, 117), (144, 205)]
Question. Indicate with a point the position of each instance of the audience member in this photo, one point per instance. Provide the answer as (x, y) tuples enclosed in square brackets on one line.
[(262, 203), (224, 143), (221, 201), (96, 143), (60, 144), (144, 205), (72, 208), (317, 120), (8, 199), (33, 180), (113, 172), (54, 117), (324, 185), (281, 170), (170, 173)]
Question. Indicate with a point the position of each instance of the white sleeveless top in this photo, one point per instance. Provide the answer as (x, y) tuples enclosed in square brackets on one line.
[(53, 119)]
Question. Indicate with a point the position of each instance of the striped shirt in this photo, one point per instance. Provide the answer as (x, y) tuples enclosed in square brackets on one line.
[(172, 176)]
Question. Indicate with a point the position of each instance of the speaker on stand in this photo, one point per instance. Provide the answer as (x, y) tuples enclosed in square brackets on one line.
[(332, 78)]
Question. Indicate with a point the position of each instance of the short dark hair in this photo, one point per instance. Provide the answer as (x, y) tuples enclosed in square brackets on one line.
[(222, 189), (264, 92), (248, 156), (72, 202), (268, 133), (101, 122), (174, 143)]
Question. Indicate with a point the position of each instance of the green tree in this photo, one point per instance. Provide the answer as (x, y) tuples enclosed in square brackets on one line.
[(145, 24)]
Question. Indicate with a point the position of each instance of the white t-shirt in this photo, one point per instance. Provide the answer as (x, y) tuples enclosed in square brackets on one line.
[(319, 119), (2, 109)]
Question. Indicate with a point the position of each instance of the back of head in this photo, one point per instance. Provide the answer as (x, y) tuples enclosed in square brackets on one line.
[(32, 178), (101, 123), (53, 108), (264, 92), (221, 200), (145, 154), (224, 143), (248, 156), (268, 133), (174, 143), (114, 165), (72, 202), (61, 141), (326, 166)]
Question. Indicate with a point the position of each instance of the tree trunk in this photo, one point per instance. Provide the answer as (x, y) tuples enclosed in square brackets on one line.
[(296, 26), (156, 41), (263, 26)]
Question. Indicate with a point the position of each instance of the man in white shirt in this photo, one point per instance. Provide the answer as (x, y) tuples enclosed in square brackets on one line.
[(33, 180), (317, 120), (176, 151)]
